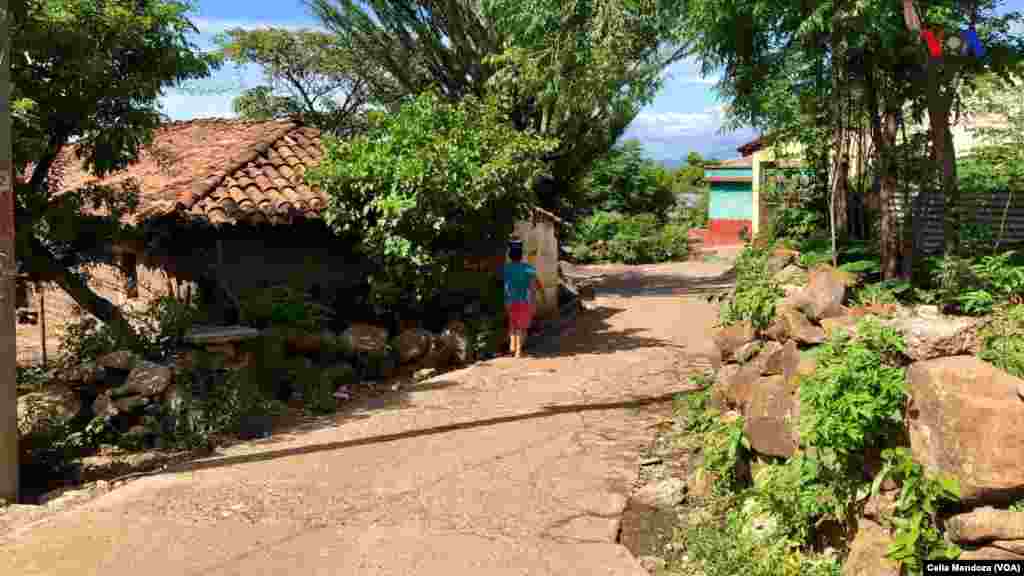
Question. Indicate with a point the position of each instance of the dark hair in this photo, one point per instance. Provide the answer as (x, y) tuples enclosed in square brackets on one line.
[(515, 250)]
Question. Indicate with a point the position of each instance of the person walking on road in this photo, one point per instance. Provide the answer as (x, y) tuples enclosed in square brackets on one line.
[(522, 288)]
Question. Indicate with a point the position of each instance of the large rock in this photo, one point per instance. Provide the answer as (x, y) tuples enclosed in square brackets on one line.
[(938, 337), (847, 324), (147, 379), (772, 416), (207, 335), (826, 289), (799, 328), (456, 334), (739, 388), (83, 375), (965, 420), (123, 360), (309, 342), (412, 344), (984, 525), (1014, 546), (103, 405), (650, 517), (131, 403), (991, 552), (366, 338), (731, 338), (748, 351), (781, 359), (720, 388), (791, 274), (868, 551), (38, 410)]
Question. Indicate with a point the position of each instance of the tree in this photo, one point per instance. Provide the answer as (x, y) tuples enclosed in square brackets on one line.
[(427, 181), (308, 73), (871, 57), (87, 74), (625, 181), (576, 71), (8, 268)]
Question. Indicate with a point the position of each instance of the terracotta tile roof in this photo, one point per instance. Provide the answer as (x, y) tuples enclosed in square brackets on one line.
[(222, 171)]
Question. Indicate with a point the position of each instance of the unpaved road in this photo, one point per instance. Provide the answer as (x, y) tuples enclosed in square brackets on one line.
[(506, 467)]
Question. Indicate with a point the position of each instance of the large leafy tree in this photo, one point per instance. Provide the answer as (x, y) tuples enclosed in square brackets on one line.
[(88, 73), (308, 73), (424, 183), (578, 71), (627, 182), (796, 68)]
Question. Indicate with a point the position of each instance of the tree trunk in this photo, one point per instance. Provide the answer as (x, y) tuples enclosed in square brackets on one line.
[(887, 194), (840, 164), (945, 160), (8, 268)]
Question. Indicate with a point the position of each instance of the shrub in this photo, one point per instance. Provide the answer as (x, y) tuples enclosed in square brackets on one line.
[(1003, 340), (881, 293), (916, 536), (756, 291), (284, 306), (855, 397), (636, 239), (160, 328), (423, 179), (976, 287)]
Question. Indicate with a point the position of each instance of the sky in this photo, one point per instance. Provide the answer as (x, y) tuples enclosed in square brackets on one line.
[(685, 116)]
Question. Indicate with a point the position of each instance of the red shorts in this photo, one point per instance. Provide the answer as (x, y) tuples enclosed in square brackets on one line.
[(520, 314)]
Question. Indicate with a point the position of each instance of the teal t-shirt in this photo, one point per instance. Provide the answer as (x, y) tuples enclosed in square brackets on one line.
[(518, 276)]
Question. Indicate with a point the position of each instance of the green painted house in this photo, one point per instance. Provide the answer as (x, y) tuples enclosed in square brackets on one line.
[(731, 206)]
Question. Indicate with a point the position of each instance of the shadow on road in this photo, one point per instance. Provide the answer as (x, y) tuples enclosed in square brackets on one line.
[(545, 412), (593, 333), (631, 284)]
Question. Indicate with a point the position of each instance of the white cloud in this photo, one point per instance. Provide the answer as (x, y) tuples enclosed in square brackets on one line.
[(688, 71), (671, 135), (180, 105), (668, 126)]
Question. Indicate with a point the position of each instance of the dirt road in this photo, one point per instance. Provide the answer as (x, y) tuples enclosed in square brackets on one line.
[(506, 467)]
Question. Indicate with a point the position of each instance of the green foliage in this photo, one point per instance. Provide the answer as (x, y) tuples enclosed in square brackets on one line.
[(283, 306), (212, 401), (803, 491), (637, 239), (578, 72), (721, 442), (306, 72), (88, 73), (881, 293), (976, 287), (159, 329), (624, 181), (725, 546), (855, 398), (30, 377), (432, 177), (797, 223), (756, 290), (917, 537), (1003, 340)]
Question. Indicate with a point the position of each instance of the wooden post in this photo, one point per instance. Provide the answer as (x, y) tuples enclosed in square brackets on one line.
[(8, 269), (42, 320)]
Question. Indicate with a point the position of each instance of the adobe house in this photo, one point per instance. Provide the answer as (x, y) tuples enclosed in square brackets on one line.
[(225, 211)]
